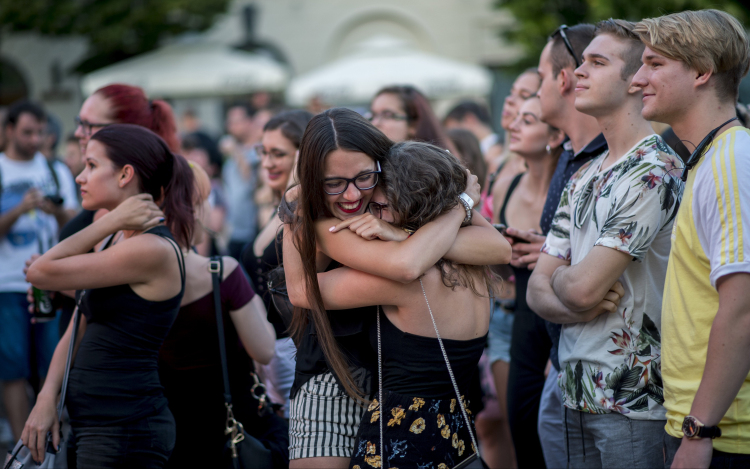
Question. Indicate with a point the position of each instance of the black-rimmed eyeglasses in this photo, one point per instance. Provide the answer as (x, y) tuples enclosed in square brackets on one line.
[(561, 31), (363, 182), (88, 127), (377, 209)]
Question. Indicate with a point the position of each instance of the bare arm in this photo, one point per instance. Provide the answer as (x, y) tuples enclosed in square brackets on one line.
[(479, 244), (70, 266), (543, 300), (256, 333), (582, 286), (43, 417), (727, 366)]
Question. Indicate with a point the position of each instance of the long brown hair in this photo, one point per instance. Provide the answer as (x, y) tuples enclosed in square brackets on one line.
[(421, 182), (336, 128)]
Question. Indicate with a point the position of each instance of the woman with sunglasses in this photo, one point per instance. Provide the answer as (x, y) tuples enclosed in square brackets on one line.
[(416, 385), (340, 161), (190, 364), (278, 152)]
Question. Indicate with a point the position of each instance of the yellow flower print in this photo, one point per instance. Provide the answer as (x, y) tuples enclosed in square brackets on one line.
[(442, 465), (446, 432), (418, 426), (375, 416), (440, 420), (373, 405), (453, 405), (473, 448), (398, 415), (371, 448), (373, 461), (454, 442), (461, 447), (418, 402)]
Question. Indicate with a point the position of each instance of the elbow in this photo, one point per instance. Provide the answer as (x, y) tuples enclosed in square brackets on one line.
[(298, 298), (265, 356), (580, 298), (37, 276), (408, 271)]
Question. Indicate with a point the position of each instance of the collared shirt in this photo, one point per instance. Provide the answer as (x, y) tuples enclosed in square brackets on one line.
[(567, 165), (613, 362)]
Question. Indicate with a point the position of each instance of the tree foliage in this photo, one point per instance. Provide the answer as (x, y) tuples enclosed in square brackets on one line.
[(116, 29), (537, 19)]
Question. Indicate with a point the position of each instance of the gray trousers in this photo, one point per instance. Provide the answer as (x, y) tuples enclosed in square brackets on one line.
[(612, 440), (551, 423)]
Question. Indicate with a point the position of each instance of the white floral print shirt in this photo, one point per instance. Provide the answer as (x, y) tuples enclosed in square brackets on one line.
[(613, 363)]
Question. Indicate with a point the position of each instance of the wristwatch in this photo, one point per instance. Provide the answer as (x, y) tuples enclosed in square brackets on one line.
[(468, 204), (694, 429)]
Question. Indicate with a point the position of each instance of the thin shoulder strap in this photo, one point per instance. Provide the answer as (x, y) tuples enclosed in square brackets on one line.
[(73, 335), (216, 267), (511, 188), (178, 251)]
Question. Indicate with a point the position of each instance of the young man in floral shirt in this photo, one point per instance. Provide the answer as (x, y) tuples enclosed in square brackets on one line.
[(609, 242), (692, 66)]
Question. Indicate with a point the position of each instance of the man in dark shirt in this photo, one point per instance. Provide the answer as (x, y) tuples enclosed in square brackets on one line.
[(530, 343)]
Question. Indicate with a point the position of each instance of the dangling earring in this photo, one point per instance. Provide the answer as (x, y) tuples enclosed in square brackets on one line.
[(549, 149)]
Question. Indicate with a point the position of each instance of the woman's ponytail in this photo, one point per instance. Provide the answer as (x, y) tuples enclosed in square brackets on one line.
[(178, 202)]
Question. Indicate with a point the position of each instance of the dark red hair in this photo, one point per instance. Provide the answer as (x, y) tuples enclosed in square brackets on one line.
[(129, 105), (160, 172)]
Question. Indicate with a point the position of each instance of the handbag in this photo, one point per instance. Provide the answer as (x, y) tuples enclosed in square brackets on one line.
[(472, 461), (242, 451), (20, 456)]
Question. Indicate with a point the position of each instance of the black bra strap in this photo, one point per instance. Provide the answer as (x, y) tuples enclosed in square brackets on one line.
[(178, 251), (511, 188)]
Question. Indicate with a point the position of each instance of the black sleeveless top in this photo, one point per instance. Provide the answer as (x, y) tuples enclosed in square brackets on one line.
[(257, 268), (413, 365), (523, 274), (115, 379)]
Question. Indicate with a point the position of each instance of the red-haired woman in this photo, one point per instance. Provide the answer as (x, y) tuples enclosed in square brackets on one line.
[(131, 292)]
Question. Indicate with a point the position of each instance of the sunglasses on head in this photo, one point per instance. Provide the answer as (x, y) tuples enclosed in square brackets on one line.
[(561, 31)]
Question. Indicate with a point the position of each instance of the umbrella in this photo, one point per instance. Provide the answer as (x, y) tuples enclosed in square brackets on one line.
[(193, 70), (381, 61)]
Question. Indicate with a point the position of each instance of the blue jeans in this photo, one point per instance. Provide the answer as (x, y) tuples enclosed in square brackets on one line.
[(501, 327), (16, 339), (719, 460), (147, 443)]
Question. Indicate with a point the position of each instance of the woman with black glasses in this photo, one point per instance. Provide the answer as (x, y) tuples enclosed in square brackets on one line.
[(340, 164)]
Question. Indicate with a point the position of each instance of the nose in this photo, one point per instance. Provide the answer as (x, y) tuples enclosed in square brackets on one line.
[(80, 179), (266, 161), (579, 72), (639, 79), (352, 193)]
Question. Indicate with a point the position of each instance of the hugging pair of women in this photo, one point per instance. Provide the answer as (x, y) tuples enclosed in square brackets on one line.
[(384, 257)]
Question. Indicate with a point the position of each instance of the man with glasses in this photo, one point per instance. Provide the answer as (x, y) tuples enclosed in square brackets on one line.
[(692, 67), (534, 403), (603, 265), (32, 208)]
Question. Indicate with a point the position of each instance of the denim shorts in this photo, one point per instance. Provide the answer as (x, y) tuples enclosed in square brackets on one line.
[(16, 338), (501, 328)]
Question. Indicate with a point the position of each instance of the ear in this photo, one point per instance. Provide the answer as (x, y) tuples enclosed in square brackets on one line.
[(566, 81), (702, 79), (556, 138), (125, 175)]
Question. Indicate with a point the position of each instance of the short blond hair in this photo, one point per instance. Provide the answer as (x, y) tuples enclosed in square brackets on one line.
[(705, 40)]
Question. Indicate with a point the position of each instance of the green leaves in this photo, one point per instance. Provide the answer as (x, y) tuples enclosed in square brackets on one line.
[(117, 29)]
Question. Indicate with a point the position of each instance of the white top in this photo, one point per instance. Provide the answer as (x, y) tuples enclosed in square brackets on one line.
[(612, 363), (35, 226), (487, 142)]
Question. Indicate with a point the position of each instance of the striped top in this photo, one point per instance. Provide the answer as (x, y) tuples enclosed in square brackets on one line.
[(708, 242)]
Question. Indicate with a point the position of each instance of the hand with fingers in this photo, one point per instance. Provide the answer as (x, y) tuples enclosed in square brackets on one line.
[(138, 213), (609, 303), (473, 189), (371, 227), (42, 420), (527, 245)]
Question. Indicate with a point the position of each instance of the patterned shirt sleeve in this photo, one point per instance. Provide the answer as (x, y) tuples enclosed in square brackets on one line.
[(720, 207), (557, 243), (643, 202)]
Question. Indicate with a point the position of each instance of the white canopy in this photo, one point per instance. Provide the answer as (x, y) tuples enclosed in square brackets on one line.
[(193, 70), (381, 61)]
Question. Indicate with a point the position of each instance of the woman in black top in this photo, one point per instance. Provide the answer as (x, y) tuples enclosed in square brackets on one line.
[(278, 152), (416, 383), (339, 163), (131, 292)]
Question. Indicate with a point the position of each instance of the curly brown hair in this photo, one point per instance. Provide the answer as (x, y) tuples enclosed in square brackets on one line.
[(421, 182)]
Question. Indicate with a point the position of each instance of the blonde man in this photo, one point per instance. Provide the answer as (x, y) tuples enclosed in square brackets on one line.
[(692, 66)]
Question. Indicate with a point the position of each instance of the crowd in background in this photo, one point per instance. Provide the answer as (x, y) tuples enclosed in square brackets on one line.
[(600, 321)]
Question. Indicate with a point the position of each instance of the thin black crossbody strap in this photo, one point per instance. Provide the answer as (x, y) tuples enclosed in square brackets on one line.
[(71, 347), (216, 267)]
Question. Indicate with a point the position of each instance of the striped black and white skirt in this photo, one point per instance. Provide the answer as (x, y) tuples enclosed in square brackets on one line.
[(323, 420)]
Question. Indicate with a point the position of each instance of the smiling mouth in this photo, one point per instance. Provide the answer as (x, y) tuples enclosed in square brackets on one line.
[(351, 207)]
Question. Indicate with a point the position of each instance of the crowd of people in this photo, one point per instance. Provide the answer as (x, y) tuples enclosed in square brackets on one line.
[(392, 289)]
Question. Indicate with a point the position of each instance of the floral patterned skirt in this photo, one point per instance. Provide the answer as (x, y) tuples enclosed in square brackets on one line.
[(418, 433)]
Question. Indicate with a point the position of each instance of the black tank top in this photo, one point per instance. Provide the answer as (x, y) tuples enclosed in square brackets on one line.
[(115, 379), (413, 365), (523, 274)]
